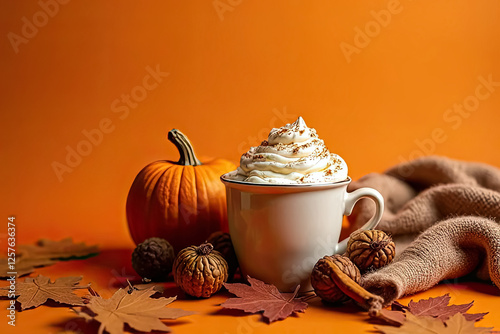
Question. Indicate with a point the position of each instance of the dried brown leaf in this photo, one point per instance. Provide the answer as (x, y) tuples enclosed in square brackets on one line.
[(438, 307), (459, 324), (474, 316), (34, 292), (435, 307), (426, 324), (133, 307), (397, 306), (44, 253), (414, 324), (63, 249), (156, 287), (393, 318), (23, 266), (259, 296)]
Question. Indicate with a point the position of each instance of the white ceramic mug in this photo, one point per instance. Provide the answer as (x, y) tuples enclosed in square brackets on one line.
[(280, 231)]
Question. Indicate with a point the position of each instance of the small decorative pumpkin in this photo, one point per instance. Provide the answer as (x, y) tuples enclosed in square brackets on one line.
[(223, 244), (325, 280), (181, 201), (200, 271), (370, 249)]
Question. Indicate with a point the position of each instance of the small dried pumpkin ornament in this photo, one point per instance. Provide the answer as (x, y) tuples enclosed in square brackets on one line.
[(200, 271), (324, 277), (370, 249)]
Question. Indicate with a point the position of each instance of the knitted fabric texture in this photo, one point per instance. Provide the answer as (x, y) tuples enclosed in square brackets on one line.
[(443, 215)]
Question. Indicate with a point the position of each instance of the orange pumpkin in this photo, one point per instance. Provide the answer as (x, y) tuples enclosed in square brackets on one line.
[(182, 202)]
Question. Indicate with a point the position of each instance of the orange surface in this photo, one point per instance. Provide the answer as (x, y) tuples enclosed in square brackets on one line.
[(381, 81), (111, 268)]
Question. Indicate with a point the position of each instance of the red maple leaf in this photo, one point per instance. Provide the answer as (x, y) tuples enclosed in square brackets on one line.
[(438, 307), (259, 296)]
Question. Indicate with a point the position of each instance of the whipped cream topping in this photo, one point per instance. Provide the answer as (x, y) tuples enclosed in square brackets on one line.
[(292, 154)]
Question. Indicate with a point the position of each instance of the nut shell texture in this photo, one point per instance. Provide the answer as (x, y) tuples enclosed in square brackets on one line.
[(370, 249), (323, 283), (197, 274), (223, 244), (153, 259)]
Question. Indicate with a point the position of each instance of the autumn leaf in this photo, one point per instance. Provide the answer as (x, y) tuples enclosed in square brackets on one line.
[(63, 249), (435, 307), (459, 324), (156, 287), (426, 324), (44, 253), (259, 296), (133, 307), (397, 306), (23, 266), (474, 316), (394, 318), (34, 292), (438, 307), (414, 324)]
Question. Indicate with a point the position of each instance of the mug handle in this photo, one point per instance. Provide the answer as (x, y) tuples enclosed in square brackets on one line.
[(350, 200)]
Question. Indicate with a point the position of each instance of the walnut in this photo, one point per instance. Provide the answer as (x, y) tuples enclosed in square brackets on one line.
[(323, 277), (370, 249)]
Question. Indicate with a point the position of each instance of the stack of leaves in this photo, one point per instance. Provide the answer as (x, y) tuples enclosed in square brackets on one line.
[(259, 296), (133, 307), (44, 253), (34, 292), (433, 315)]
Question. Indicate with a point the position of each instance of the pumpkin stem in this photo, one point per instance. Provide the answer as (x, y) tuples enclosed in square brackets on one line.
[(186, 151), (205, 249)]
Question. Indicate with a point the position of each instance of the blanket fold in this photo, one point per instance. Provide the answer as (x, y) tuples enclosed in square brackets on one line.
[(443, 215)]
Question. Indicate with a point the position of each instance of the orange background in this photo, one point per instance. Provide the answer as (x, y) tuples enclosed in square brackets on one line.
[(234, 72)]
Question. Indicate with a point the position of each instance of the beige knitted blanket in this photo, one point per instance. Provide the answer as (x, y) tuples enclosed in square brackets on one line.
[(444, 217)]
